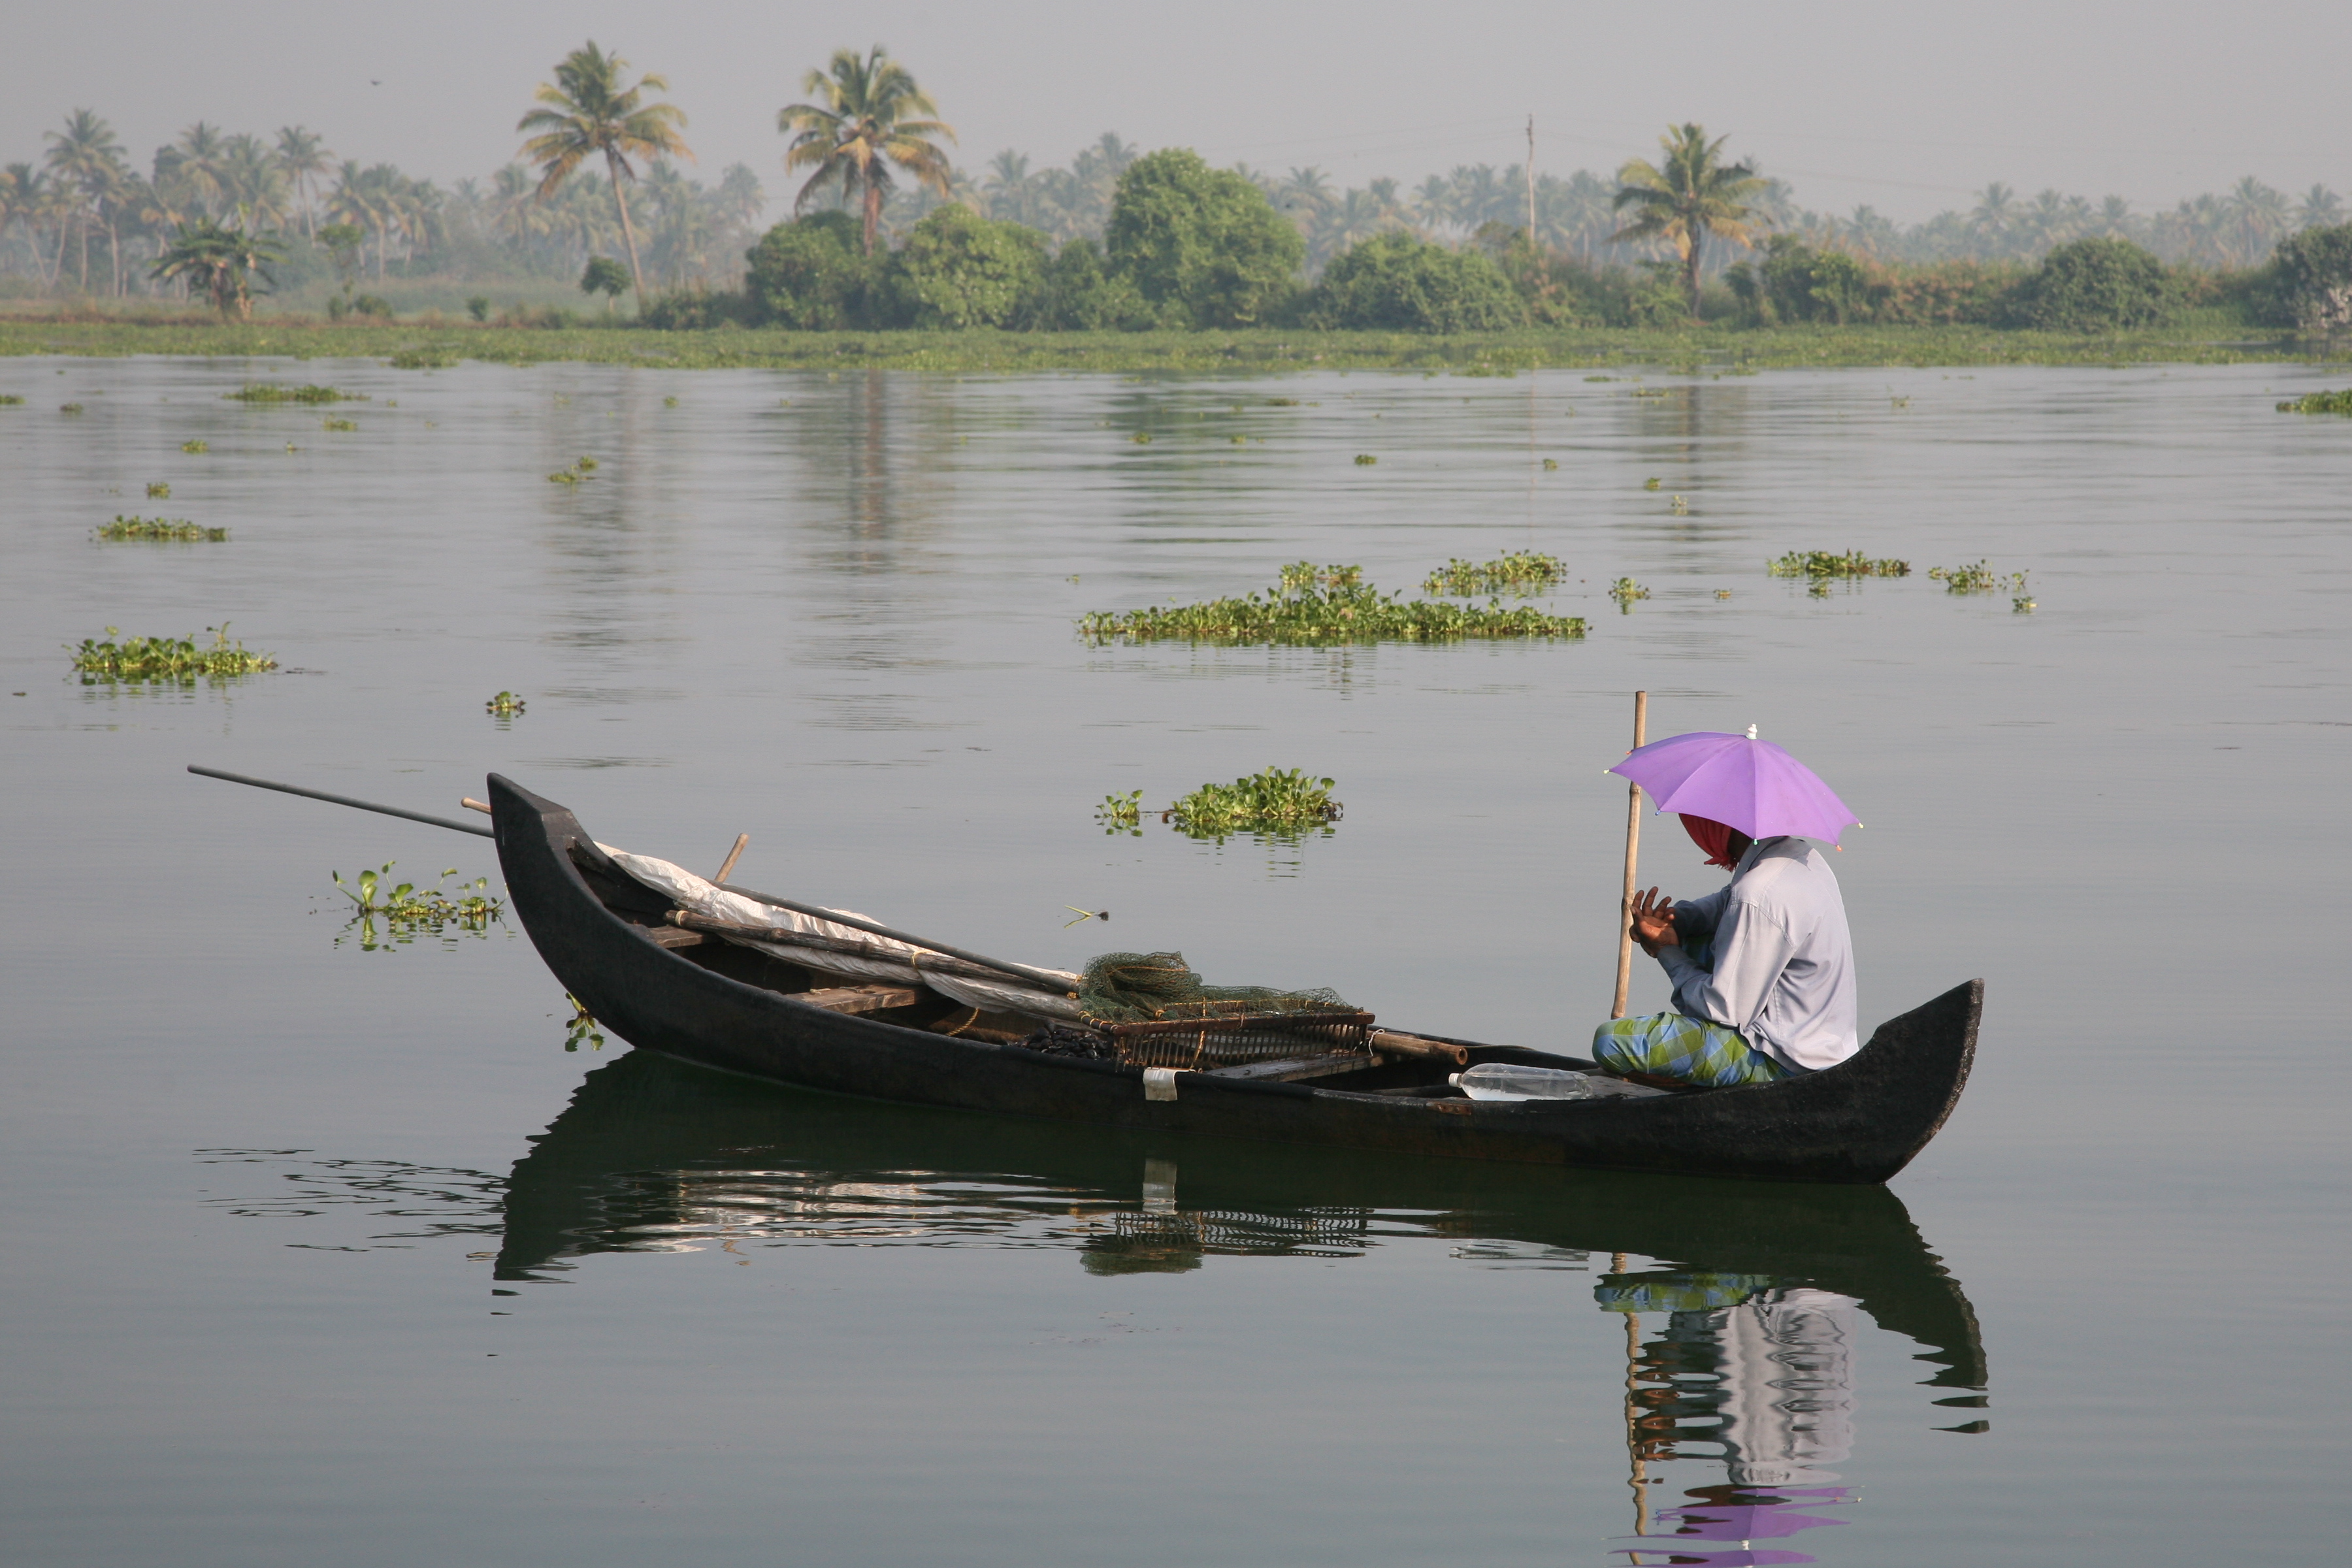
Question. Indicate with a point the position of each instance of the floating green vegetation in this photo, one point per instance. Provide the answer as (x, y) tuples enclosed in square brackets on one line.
[(1278, 801), (1365, 460), (2316, 403), (197, 448), (1520, 571), (68, 407), (1678, 505), (1122, 813), (1326, 605), (338, 424), (581, 1028), (1281, 403), (1141, 437), (1979, 578), (576, 474), (270, 392), (1822, 563), (159, 489), (165, 658), (1625, 590), (160, 528), (504, 704), (10, 400), (669, 402), (586, 465), (1551, 464), (1651, 484), (424, 359), (408, 911)]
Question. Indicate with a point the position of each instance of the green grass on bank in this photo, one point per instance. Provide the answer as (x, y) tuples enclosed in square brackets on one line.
[(1706, 349)]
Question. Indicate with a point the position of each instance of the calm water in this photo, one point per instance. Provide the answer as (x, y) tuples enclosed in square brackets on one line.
[(317, 1253)]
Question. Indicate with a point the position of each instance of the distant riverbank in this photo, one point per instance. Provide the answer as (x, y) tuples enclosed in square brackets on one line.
[(427, 344)]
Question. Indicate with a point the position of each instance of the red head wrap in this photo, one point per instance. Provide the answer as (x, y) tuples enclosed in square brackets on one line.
[(1712, 837)]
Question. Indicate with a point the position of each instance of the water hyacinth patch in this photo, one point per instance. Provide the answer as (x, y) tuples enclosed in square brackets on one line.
[(10, 400), (1519, 571), (2319, 403), (1273, 800), (269, 392), (1121, 813), (1625, 590), (1823, 563), (1323, 606), (1979, 578), (159, 489), (68, 407), (503, 704), (195, 449), (165, 659), (338, 424), (173, 528), (409, 913)]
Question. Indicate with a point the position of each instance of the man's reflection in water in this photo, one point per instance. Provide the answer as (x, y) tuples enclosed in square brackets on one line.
[(1750, 1370)]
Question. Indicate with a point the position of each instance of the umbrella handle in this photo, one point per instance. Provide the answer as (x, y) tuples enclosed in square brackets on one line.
[(1632, 848)]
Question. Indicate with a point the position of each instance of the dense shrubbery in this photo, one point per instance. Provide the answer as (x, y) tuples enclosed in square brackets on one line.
[(1205, 246), (2096, 285), (1394, 280), (961, 270), (2310, 280)]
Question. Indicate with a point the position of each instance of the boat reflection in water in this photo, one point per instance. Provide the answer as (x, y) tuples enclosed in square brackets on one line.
[(1739, 1322)]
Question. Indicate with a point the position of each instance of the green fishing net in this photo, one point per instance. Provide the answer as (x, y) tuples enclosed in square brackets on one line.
[(1160, 987)]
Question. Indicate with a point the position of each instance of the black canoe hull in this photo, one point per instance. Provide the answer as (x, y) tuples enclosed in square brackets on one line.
[(1860, 1121)]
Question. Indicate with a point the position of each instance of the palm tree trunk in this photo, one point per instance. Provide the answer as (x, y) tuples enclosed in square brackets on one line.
[(628, 230), (82, 226), (873, 211), (1690, 272), (115, 247)]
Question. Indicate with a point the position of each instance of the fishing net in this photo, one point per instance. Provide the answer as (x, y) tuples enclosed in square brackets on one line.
[(1148, 1010), (1161, 987)]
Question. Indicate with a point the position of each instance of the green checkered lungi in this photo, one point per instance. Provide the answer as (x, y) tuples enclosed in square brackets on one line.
[(1677, 1045)]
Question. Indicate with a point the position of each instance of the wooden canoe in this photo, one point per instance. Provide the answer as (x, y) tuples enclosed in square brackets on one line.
[(731, 1008)]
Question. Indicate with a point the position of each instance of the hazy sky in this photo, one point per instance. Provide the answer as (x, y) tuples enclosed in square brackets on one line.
[(1908, 108)]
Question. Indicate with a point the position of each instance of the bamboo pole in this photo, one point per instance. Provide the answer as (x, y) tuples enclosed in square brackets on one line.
[(732, 856), (1632, 850)]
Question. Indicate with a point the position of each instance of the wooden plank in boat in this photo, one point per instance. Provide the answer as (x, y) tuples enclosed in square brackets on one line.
[(859, 998), (671, 936), (1289, 1069)]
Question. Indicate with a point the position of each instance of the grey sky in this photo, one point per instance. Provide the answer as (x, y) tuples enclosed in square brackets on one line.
[(1907, 108)]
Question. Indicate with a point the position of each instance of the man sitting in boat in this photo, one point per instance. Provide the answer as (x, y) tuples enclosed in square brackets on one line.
[(1762, 971)]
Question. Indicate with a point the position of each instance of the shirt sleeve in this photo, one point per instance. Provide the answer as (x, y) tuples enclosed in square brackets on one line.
[(1751, 949), (1696, 917)]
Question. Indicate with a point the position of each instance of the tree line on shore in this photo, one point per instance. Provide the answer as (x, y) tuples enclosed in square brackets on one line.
[(888, 232)]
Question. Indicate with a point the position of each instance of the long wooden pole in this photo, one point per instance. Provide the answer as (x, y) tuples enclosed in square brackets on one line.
[(1632, 850)]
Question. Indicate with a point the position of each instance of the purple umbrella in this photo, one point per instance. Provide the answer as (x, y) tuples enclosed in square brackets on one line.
[(1740, 781)]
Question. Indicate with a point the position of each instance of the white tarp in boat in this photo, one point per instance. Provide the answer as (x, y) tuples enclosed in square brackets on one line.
[(713, 902)]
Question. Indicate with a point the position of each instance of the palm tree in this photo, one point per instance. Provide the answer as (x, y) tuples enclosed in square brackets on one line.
[(1996, 210), (2259, 217), (86, 158), (2320, 208), (302, 157), (1695, 194), (586, 110), (864, 126), (219, 260), (198, 160)]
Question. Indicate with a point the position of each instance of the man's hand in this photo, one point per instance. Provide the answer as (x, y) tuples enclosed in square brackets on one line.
[(1653, 921)]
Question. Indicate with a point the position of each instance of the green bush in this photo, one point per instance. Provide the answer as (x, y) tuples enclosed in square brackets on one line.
[(1395, 281), (2096, 285), (961, 270), (604, 276), (2311, 278), (698, 309), (1076, 292), (811, 274), (1203, 245)]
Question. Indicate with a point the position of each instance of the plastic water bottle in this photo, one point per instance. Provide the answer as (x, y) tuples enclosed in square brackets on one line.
[(1505, 1081)]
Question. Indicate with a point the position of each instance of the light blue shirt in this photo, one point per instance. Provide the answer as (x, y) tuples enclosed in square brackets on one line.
[(1782, 960)]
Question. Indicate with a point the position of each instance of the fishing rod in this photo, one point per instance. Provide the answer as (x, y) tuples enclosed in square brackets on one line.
[(452, 825), (1057, 984)]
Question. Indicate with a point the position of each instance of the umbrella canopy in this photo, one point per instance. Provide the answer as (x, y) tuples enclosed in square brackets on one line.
[(1740, 781)]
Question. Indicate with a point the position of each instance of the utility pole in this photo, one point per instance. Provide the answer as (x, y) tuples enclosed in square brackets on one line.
[(1531, 183)]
